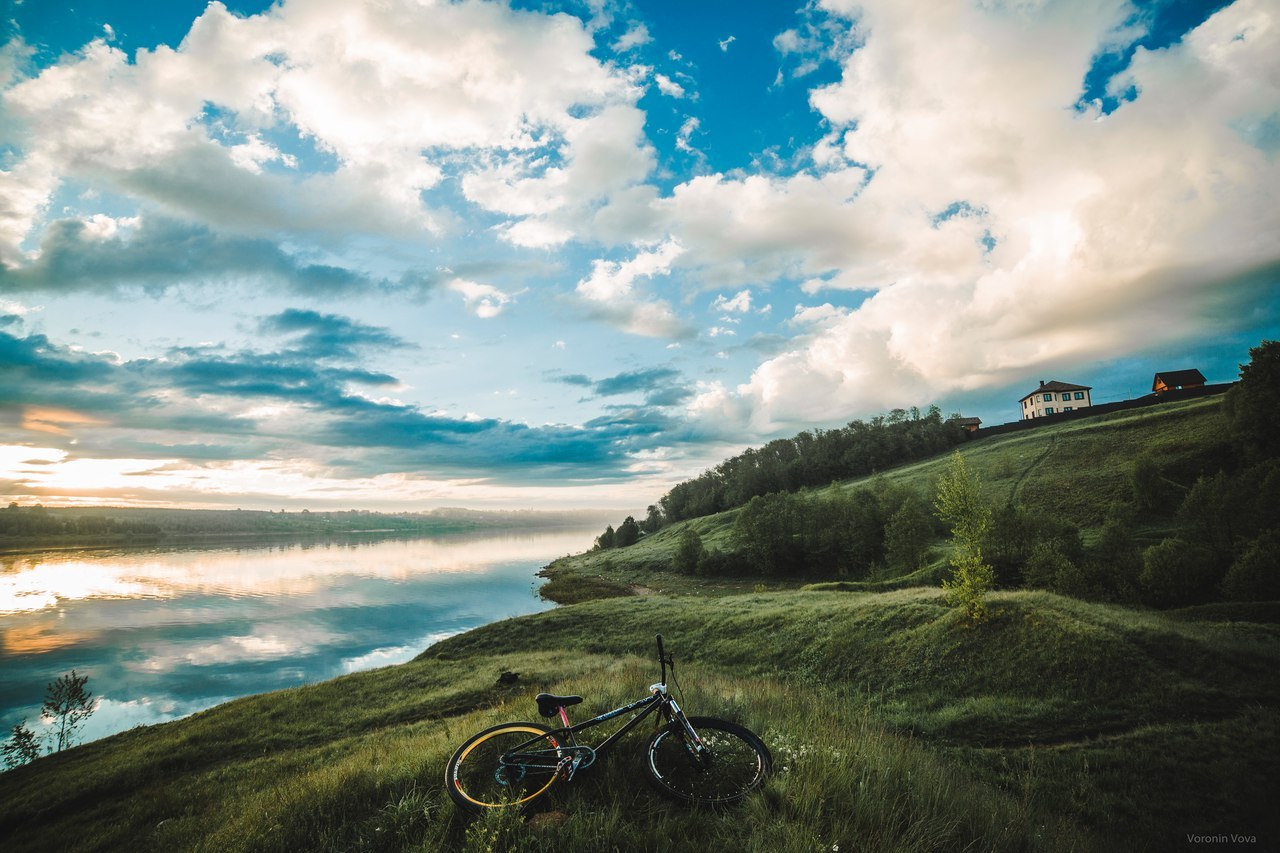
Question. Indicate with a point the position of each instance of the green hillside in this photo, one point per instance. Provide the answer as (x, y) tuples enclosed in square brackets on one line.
[(1058, 725), (1075, 471), (895, 723)]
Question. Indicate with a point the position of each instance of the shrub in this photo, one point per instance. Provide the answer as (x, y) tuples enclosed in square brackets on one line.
[(1176, 573), (721, 563), (1015, 533), (1151, 491), (907, 535), (689, 552), (1256, 575), (1045, 566), (1253, 406)]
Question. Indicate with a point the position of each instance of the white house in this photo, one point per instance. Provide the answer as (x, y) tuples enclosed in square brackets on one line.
[(1054, 397)]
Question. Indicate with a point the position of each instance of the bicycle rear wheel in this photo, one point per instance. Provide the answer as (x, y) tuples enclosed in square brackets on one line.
[(478, 777), (734, 763)]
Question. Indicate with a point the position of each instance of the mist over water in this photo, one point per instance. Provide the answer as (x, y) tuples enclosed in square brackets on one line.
[(163, 634)]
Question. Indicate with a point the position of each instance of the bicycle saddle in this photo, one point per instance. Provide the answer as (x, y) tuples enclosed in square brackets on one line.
[(549, 702)]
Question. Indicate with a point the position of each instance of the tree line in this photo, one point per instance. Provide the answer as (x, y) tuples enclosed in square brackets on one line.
[(810, 459), (46, 525)]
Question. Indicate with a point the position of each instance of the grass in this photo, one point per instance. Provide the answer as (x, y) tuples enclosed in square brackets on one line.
[(1057, 725), (1075, 470)]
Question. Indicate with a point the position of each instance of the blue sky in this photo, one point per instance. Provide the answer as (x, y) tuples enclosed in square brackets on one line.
[(327, 253)]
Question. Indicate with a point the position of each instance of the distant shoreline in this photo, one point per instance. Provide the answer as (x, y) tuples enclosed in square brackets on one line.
[(32, 529)]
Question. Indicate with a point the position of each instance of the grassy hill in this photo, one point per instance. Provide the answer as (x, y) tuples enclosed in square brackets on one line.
[(1074, 471), (1057, 725)]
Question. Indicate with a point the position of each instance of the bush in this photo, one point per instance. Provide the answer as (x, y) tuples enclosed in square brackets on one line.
[(689, 552), (1256, 575), (1016, 532), (1046, 564), (907, 535), (1253, 406), (1151, 491), (721, 563), (1176, 573)]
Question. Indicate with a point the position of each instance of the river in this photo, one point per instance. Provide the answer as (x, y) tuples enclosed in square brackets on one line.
[(165, 633)]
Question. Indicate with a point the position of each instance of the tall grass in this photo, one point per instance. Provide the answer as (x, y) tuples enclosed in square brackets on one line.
[(1059, 725)]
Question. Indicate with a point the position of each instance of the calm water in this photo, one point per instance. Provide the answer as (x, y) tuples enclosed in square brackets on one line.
[(163, 634)]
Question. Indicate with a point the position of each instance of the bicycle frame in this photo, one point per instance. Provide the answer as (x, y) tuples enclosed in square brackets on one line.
[(546, 759)]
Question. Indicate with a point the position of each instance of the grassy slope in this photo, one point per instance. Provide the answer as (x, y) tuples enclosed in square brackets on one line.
[(1074, 470), (1058, 725)]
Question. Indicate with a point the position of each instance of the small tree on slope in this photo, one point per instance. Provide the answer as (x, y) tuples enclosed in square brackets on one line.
[(960, 506)]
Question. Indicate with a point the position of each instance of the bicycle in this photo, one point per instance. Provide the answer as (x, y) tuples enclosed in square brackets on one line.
[(697, 760)]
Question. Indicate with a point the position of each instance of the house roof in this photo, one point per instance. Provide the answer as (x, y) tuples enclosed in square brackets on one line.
[(969, 421), (1055, 385), (1175, 378)]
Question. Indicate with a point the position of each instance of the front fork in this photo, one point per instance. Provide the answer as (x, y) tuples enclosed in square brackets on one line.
[(693, 742)]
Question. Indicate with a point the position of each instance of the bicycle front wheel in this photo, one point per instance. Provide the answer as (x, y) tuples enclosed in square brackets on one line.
[(507, 765), (734, 761)]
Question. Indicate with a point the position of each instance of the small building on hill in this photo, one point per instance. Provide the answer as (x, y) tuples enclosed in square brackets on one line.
[(1171, 380), (1054, 397), (971, 424)]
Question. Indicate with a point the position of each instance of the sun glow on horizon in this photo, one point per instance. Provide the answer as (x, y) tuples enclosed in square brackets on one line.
[(56, 478)]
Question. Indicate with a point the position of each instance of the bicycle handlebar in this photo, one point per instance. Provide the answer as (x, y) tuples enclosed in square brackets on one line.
[(662, 659)]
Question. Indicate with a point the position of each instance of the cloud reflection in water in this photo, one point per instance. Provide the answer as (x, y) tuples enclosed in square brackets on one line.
[(164, 634)]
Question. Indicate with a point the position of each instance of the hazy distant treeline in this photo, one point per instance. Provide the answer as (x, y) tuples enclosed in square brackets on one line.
[(46, 525)]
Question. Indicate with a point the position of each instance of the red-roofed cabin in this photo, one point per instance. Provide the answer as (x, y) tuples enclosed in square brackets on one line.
[(1170, 380)]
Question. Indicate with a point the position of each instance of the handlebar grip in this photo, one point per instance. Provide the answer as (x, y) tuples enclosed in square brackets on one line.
[(660, 652)]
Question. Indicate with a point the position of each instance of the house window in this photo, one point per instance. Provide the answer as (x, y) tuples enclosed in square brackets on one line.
[(1048, 410), (1067, 409), (1079, 395), (1048, 398)]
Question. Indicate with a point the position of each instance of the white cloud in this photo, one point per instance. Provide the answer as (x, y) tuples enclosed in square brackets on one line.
[(483, 300), (739, 303), (688, 128), (1078, 223), (612, 293), (725, 42), (636, 36), (392, 91), (668, 87)]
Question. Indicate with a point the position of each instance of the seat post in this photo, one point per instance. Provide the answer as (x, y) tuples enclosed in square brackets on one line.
[(564, 716)]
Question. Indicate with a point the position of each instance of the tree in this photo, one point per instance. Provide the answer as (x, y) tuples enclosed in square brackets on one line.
[(628, 533), (605, 540), (653, 521), (23, 746), (961, 507), (907, 535), (689, 551), (67, 704), (769, 533), (1256, 575), (1151, 491), (1177, 573), (1253, 406)]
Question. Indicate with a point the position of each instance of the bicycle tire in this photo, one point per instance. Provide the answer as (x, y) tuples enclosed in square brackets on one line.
[(738, 762), (476, 780)]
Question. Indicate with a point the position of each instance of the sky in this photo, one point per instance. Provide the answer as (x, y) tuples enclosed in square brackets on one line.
[(566, 253)]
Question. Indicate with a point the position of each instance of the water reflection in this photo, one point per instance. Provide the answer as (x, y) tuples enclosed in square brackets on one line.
[(166, 633)]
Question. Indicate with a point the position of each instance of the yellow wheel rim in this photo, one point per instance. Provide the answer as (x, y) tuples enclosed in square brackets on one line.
[(508, 730)]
